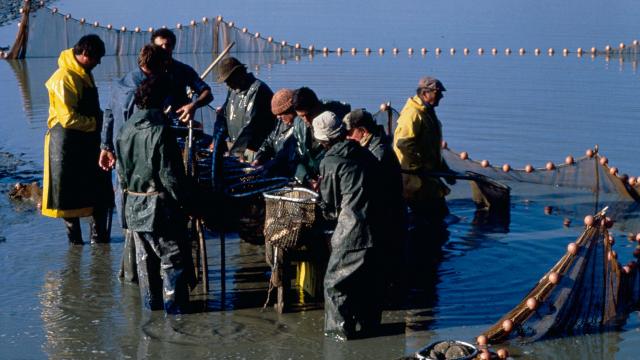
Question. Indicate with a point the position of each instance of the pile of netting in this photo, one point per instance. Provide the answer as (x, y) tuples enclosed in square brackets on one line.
[(586, 291), (50, 32)]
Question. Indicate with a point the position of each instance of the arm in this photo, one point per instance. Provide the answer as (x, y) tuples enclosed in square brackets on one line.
[(199, 87), (65, 97), (171, 169), (405, 145)]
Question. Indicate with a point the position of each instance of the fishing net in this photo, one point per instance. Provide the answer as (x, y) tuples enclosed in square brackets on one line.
[(51, 32), (290, 214), (587, 290), (588, 172)]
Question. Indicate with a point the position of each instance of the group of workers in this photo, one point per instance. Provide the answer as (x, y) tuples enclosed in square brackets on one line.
[(365, 179)]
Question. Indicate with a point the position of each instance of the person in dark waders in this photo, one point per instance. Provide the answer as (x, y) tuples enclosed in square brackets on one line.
[(155, 190), (350, 193), (152, 60), (74, 185)]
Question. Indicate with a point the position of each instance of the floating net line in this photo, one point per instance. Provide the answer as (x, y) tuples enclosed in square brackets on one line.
[(50, 31), (591, 171), (586, 291)]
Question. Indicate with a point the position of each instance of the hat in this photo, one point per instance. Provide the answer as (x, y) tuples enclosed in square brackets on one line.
[(358, 118), (430, 83), (227, 67), (282, 101), (327, 126)]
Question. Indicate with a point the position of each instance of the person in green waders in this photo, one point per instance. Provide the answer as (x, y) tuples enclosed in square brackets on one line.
[(156, 195), (73, 184), (350, 192)]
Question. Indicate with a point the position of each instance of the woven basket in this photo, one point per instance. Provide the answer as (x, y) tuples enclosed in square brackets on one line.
[(290, 214)]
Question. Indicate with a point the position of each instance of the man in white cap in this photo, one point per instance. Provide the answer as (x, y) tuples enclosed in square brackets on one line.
[(350, 192)]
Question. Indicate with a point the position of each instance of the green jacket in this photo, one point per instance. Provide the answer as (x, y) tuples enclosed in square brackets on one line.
[(151, 172), (350, 191)]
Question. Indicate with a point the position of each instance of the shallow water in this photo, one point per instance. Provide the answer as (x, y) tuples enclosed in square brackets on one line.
[(66, 302)]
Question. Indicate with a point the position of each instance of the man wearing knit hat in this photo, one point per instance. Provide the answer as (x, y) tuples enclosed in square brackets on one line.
[(350, 192), (245, 118), (417, 143), (277, 154)]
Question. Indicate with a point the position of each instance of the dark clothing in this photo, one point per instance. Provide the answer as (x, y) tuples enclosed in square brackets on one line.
[(154, 183), (151, 172), (309, 152), (278, 154), (246, 116), (182, 76), (393, 234), (161, 272), (121, 106), (349, 190)]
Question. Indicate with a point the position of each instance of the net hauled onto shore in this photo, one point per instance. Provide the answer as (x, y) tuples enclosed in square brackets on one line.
[(586, 291)]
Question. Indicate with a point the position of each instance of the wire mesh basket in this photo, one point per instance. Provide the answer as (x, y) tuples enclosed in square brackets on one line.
[(290, 215)]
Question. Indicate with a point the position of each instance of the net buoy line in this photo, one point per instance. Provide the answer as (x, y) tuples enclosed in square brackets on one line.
[(256, 42)]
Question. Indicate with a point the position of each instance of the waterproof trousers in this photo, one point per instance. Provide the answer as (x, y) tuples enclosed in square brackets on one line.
[(161, 272), (351, 294), (99, 225)]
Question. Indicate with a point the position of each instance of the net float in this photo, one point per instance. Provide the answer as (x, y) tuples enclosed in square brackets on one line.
[(464, 155), (395, 51), (572, 248), (484, 163), (551, 51), (150, 29), (589, 153), (507, 51), (82, 21), (245, 30), (480, 51), (550, 166), (554, 278), (566, 222), (604, 160), (465, 51), (311, 48), (109, 26), (206, 20), (367, 51), (96, 24), (192, 23), (532, 303), (569, 160), (438, 51), (452, 51), (354, 51), (548, 210), (339, 51), (178, 26), (506, 167), (257, 35), (231, 24), (410, 51), (528, 168), (123, 29), (384, 107), (607, 48), (565, 51), (283, 43), (381, 51), (521, 51), (588, 220), (297, 46), (613, 171), (423, 51), (507, 325), (444, 145), (494, 51), (536, 51), (270, 39), (594, 50), (622, 46), (482, 340)]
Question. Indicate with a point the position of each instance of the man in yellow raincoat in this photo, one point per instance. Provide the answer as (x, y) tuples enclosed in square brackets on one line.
[(74, 186), (417, 143)]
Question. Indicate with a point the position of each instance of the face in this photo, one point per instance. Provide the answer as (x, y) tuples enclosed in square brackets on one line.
[(356, 134), (234, 81), (88, 62), (164, 43), (306, 116), (432, 97), (287, 117)]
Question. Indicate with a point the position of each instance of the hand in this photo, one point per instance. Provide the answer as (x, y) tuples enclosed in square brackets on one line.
[(107, 160), (315, 185), (185, 113), (255, 163)]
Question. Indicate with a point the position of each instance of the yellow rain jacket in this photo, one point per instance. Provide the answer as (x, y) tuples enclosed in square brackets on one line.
[(417, 143), (71, 145)]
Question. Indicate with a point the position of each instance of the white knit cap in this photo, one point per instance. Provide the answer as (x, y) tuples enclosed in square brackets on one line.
[(327, 126)]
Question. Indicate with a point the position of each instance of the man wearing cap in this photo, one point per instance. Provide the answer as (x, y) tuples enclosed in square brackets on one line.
[(245, 116), (307, 107), (417, 143), (350, 192), (277, 154), (362, 128), (182, 76)]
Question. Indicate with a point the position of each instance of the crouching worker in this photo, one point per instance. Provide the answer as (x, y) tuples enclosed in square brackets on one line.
[(154, 186), (350, 191)]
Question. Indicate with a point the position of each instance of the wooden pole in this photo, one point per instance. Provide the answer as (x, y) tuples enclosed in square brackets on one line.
[(19, 48)]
